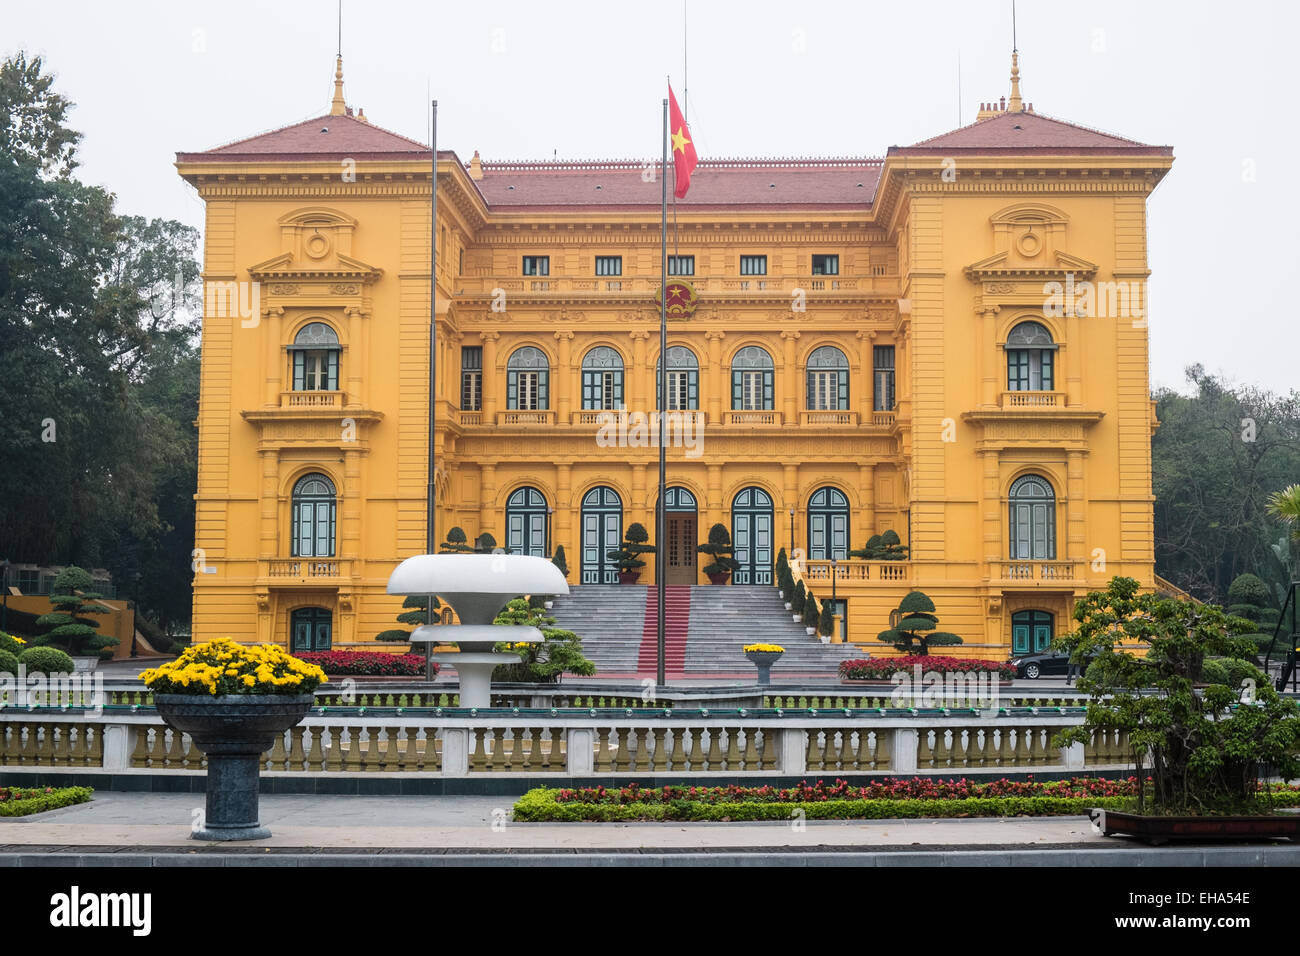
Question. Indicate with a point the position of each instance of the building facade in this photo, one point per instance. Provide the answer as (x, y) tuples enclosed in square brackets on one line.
[(948, 342)]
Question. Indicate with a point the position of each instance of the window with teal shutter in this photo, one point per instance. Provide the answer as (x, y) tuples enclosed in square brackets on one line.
[(527, 375), (1030, 358), (751, 380), (313, 511), (315, 353), (683, 380), (1032, 516), (828, 379), (602, 379)]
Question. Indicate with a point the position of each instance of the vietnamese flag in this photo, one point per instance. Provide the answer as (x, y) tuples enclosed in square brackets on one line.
[(684, 158)]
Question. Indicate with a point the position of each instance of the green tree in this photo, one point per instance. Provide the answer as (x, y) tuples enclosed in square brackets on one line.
[(456, 542), (559, 561), (67, 627), (826, 623), (629, 555), (1251, 599), (913, 626), (417, 615), (1204, 750), (559, 653), (811, 612)]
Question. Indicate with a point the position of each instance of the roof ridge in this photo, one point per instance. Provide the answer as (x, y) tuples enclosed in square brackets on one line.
[(737, 162), (325, 118), (1046, 116)]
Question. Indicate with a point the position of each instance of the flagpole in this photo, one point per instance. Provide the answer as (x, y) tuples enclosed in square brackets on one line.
[(430, 526), (661, 522)]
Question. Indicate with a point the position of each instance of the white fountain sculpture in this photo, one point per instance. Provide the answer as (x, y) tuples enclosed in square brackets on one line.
[(477, 586)]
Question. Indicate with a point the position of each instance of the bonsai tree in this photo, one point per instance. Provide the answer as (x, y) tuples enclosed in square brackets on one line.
[(826, 623), (558, 560), (719, 548), (419, 614), (871, 550), (892, 547), (1249, 599), (485, 543), (456, 543), (628, 556), (913, 626), (811, 613), (1203, 743), (798, 599), (67, 626), (544, 663)]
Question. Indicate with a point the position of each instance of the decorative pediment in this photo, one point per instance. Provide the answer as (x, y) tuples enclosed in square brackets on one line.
[(284, 268), (1002, 265)]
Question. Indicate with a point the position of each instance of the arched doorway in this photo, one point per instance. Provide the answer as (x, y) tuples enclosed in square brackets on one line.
[(1032, 520), (311, 629), (680, 521), (526, 522), (828, 525), (1031, 631), (751, 534), (314, 515), (602, 530)]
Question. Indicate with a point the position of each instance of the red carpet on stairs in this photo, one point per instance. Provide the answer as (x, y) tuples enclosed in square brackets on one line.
[(677, 619)]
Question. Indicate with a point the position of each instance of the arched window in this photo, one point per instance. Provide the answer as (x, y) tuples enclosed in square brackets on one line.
[(683, 379), (527, 375), (602, 379), (602, 530), (314, 511), (315, 352), (828, 379), (1030, 358), (751, 380), (1033, 520), (526, 523), (751, 535), (828, 525)]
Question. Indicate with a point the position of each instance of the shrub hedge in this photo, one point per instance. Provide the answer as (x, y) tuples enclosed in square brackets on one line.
[(21, 801), (882, 668), (47, 660), (367, 663)]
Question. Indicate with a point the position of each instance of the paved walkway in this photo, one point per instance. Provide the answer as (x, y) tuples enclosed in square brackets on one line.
[(125, 819)]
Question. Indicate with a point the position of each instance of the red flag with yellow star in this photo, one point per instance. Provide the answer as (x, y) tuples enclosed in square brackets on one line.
[(684, 158)]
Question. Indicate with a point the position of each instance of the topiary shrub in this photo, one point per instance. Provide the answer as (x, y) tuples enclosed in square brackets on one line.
[(720, 549), (913, 626), (73, 596), (798, 598), (456, 543), (811, 612), (485, 543), (628, 556), (558, 560), (826, 623), (869, 551), (8, 663), (46, 660)]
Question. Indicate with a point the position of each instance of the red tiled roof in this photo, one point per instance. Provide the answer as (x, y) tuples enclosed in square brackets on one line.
[(728, 182), (1029, 132), (325, 137)]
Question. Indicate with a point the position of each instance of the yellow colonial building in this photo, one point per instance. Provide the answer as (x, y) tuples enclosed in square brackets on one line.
[(948, 342)]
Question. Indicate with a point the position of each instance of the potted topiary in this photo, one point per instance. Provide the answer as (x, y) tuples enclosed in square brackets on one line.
[(233, 700), (811, 614), (782, 569), (628, 556), (826, 623), (787, 586), (796, 605), (456, 543), (763, 656), (719, 548)]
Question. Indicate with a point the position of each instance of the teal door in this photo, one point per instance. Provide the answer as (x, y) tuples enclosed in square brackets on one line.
[(1031, 632), (312, 629), (602, 531), (751, 535), (526, 517)]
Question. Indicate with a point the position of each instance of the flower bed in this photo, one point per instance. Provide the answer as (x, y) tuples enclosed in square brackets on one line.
[(21, 801), (763, 649), (368, 663), (883, 668), (914, 798)]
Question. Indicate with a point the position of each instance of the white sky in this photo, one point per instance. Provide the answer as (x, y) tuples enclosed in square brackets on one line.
[(529, 80)]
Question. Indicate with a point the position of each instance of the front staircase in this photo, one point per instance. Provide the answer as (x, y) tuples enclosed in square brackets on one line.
[(705, 629)]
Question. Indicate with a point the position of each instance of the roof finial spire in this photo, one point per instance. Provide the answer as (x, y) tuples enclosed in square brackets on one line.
[(1015, 104), (337, 105)]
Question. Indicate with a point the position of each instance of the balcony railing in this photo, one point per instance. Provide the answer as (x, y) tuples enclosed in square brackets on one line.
[(828, 418), (884, 419), (306, 569), (311, 399), (1037, 572), (532, 417), (1033, 400), (753, 417), (771, 284), (469, 417), (852, 569)]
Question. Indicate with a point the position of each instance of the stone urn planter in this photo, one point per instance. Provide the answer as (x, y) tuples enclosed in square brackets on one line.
[(764, 660), (85, 664), (719, 578), (233, 731), (811, 631), (628, 577)]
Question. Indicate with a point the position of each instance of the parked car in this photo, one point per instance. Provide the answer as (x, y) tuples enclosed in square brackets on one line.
[(1047, 663)]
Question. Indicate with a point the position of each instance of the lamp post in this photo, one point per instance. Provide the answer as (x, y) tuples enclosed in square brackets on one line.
[(549, 511), (792, 531)]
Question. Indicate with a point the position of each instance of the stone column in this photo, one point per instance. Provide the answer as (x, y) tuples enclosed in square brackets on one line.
[(866, 383), (637, 395), (867, 494), (991, 357), (277, 367), (790, 376), (355, 359), (493, 384), (562, 377), (716, 380), (487, 502), (1076, 518), (902, 751)]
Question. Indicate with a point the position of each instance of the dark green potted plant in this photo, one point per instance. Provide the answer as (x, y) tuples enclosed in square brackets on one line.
[(826, 623), (787, 586), (233, 700), (913, 626), (456, 543), (782, 568), (628, 557), (719, 548), (796, 604), (811, 614)]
